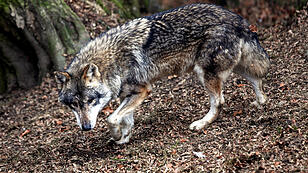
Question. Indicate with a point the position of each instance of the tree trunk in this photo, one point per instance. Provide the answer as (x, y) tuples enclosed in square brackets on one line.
[(34, 35)]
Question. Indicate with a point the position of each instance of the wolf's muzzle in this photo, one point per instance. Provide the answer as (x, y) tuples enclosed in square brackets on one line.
[(86, 127)]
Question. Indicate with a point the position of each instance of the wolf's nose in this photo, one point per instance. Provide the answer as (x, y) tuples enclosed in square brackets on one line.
[(86, 127)]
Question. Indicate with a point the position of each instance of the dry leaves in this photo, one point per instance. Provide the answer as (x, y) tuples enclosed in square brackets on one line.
[(38, 133), (107, 110), (253, 28)]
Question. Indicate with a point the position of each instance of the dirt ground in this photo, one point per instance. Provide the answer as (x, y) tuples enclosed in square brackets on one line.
[(38, 134)]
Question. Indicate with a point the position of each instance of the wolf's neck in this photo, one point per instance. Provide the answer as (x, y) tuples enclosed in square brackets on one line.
[(127, 36)]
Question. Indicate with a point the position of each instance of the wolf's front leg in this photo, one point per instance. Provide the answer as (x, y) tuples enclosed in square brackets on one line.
[(121, 131), (121, 121)]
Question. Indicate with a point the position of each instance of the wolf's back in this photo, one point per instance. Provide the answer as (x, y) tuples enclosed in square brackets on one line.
[(190, 23)]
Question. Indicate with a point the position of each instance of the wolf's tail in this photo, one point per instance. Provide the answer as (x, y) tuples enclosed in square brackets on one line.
[(254, 61)]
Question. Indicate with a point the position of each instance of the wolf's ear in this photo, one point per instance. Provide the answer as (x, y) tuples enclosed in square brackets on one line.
[(61, 77), (90, 73)]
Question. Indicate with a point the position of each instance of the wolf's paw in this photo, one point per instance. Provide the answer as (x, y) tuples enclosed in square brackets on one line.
[(123, 140), (198, 125), (261, 100), (258, 104), (222, 100)]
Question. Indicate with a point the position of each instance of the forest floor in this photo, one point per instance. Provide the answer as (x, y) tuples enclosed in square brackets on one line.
[(39, 134)]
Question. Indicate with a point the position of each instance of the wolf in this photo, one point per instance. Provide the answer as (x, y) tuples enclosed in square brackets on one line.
[(125, 61)]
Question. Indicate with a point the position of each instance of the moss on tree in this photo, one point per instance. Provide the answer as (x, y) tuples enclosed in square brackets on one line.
[(34, 36)]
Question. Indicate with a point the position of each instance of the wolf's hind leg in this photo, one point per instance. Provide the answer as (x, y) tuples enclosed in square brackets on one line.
[(214, 87), (254, 65), (258, 88)]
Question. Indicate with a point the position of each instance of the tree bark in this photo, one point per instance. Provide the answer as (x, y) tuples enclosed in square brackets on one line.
[(34, 35)]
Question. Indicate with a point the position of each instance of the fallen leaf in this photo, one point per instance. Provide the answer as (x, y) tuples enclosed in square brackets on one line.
[(253, 28), (219, 157), (281, 85), (183, 140), (173, 76), (24, 133), (59, 122), (293, 101), (237, 112), (176, 89), (107, 111), (169, 165), (63, 129), (120, 156), (173, 152)]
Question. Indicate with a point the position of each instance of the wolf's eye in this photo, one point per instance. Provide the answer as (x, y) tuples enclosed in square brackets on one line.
[(74, 104), (91, 100)]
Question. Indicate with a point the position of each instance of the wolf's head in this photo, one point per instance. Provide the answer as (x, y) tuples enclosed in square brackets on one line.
[(85, 93)]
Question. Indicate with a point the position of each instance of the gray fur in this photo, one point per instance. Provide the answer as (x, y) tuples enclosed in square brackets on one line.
[(204, 38)]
